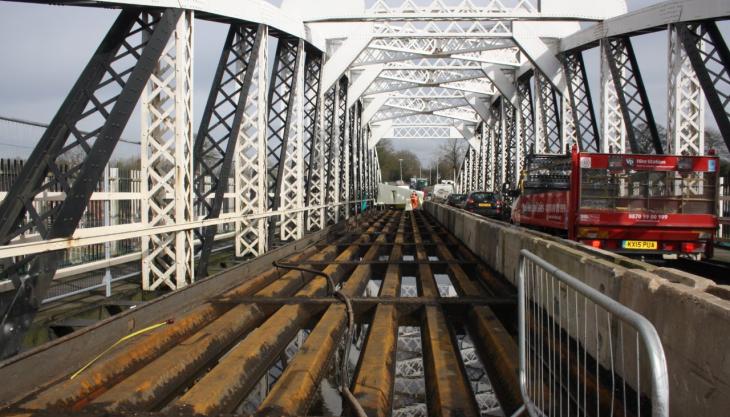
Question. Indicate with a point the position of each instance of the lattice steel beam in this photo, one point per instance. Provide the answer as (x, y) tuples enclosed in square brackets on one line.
[(469, 169), (329, 133), (343, 150), (291, 188), (526, 119), (549, 135), (439, 10), (282, 92), (710, 58), (613, 131), (632, 97), (511, 148), (581, 103), (105, 94), (251, 174), (313, 141), (482, 161), (352, 155), (491, 138), (499, 143), (167, 163), (215, 144), (456, 31), (686, 104)]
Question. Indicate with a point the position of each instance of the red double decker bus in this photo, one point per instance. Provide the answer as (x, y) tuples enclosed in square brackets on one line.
[(645, 205)]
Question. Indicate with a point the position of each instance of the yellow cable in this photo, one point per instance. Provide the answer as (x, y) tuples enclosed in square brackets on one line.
[(123, 339)]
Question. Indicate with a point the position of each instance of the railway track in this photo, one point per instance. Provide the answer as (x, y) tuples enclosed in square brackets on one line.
[(426, 336)]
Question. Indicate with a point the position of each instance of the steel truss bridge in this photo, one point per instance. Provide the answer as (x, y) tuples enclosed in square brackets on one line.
[(280, 154)]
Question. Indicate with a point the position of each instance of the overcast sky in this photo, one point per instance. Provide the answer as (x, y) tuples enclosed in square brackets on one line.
[(44, 49)]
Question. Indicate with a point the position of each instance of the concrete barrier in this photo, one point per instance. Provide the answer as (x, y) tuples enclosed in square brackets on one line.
[(690, 313)]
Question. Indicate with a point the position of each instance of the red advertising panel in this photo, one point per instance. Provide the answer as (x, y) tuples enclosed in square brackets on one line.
[(549, 209)]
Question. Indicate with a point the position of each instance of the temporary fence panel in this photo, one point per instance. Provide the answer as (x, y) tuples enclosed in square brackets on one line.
[(581, 352)]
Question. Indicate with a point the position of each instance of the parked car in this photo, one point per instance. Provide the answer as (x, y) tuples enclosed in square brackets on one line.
[(485, 203), (456, 200)]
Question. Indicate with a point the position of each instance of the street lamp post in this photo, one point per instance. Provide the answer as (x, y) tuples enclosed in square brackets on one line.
[(400, 163)]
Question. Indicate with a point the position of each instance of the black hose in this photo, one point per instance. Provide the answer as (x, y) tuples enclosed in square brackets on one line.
[(331, 290)]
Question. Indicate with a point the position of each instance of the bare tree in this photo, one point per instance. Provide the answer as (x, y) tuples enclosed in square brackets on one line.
[(451, 154)]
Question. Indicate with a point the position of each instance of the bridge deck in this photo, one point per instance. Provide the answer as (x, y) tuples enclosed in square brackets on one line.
[(433, 330)]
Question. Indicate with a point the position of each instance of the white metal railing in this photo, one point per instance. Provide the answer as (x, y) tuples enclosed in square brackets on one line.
[(112, 228), (571, 333)]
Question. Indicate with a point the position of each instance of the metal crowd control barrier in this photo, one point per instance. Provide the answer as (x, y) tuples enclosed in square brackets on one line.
[(581, 352)]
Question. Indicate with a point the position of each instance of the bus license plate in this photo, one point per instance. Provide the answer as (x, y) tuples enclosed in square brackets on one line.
[(640, 244), (485, 204)]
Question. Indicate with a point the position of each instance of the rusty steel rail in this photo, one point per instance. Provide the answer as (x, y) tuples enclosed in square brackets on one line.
[(272, 345)]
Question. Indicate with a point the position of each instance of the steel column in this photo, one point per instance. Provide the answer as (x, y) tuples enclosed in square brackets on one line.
[(527, 116), (549, 135), (353, 154), (612, 123), (581, 104), (491, 159), (250, 174), (500, 141), (313, 141), (282, 99), (343, 150), (329, 144), (686, 102), (482, 165), (167, 162), (511, 141), (291, 164), (710, 58)]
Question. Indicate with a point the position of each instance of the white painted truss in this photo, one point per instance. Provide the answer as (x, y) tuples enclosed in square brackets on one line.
[(686, 109), (167, 163), (250, 168), (613, 131), (462, 9), (292, 182)]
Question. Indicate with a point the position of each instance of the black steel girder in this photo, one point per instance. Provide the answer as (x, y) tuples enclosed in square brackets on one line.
[(282, 90), (712, 66), (510, 154), (481, 160), (342, 148), (527, 114), (330, 134), (215, 144), (104, 95), (632, 97), (312, 138), (579, 92), (499, 143)]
